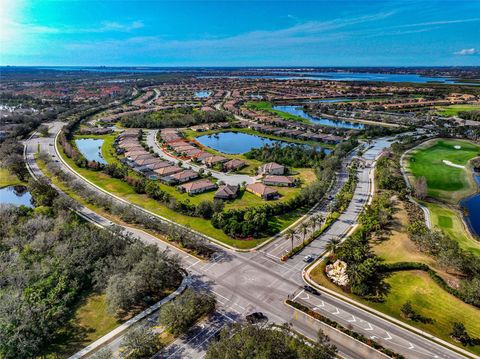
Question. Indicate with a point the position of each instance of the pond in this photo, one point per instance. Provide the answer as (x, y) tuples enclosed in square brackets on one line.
[(202, 94), (16, 195), (298, 111), (471, 207), (91, 148), (234, 142)]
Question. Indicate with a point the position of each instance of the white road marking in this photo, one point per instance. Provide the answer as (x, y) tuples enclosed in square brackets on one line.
[(298, 295), (336, 311), (352, 320), (306, 298), (389, 337)]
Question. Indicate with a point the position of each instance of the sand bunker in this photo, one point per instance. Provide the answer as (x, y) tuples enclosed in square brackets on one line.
[(448, 163)]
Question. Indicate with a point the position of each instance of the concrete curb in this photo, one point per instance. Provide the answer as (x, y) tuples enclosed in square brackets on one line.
[(138, 207), (309, 281), (306, 277), (107, 338), (340, 333)]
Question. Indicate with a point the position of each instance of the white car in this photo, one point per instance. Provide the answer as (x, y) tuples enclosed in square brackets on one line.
[(308, 258)]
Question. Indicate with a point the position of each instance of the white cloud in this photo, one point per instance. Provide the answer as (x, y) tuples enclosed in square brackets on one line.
[(466, 52), (441, 22)]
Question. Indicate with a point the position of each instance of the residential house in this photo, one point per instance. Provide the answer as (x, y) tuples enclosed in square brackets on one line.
[(271, 168), (212, 161), (197, 186), (167, 171), (227, 192), (283, 181), (180, 177), (233, 165), (262, 191)]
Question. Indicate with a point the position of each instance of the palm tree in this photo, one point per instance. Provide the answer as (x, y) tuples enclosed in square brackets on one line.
[(317, 219), (304, 228), (290, 234), (332, 245)]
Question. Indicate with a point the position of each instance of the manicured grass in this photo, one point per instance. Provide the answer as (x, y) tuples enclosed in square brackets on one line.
[(125, 191), (267, 106), (444, 181), (427, 298), (108, 152), (453, 110), (8, 179), (450, 223)]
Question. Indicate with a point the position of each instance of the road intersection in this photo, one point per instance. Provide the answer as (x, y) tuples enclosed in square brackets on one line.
[(259, 281)]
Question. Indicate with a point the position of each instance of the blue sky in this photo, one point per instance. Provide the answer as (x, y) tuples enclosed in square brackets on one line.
[(240, 33)]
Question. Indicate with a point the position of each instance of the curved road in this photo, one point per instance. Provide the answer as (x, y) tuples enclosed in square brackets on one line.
[(258, 281)]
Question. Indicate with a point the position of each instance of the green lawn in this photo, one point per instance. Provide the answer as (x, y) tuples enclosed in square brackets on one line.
[(267, 107), (125, 191), (427, 298), (453, 110), (7, 179), (449, 222), (444, 181)]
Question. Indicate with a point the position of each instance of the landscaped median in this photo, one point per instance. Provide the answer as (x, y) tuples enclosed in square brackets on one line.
[(342, 201), (335, 326), (426, 296)]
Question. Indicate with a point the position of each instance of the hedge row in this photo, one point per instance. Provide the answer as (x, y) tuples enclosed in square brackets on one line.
[(351, 333)]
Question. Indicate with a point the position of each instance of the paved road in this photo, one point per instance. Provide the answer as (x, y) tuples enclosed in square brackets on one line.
[(228, 178), (258, 281)]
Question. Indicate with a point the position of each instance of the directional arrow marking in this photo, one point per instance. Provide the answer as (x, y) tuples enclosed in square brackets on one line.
[(336, 311), (369, 326), (352, 320), (306, 298), (388, 336), (411, 346)]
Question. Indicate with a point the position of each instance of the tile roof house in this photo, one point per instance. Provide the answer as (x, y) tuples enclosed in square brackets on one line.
[(158, 164), (227, 192), (197, 186), (260, 190), (167, 171), (271, 168), (275, 180), (203, 155), (180, 177), (212, 161), (233, 165)]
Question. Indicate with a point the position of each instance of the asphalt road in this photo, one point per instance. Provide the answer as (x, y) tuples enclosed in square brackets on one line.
[(228, 178), (258, 281)]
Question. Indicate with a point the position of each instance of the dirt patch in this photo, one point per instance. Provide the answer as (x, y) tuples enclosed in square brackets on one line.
[(396, 246)]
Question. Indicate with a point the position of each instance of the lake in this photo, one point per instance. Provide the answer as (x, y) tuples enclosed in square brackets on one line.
[(349, 76), (234, 142), (472, 206), (298, 111), (16, 195), (91, 148), (202, 94)]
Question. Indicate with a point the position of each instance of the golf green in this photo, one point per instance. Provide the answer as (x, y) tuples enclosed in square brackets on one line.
[(444, 180)]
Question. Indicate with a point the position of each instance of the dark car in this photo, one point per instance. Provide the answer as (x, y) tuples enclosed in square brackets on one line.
[(311, 290), (257, 317)]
